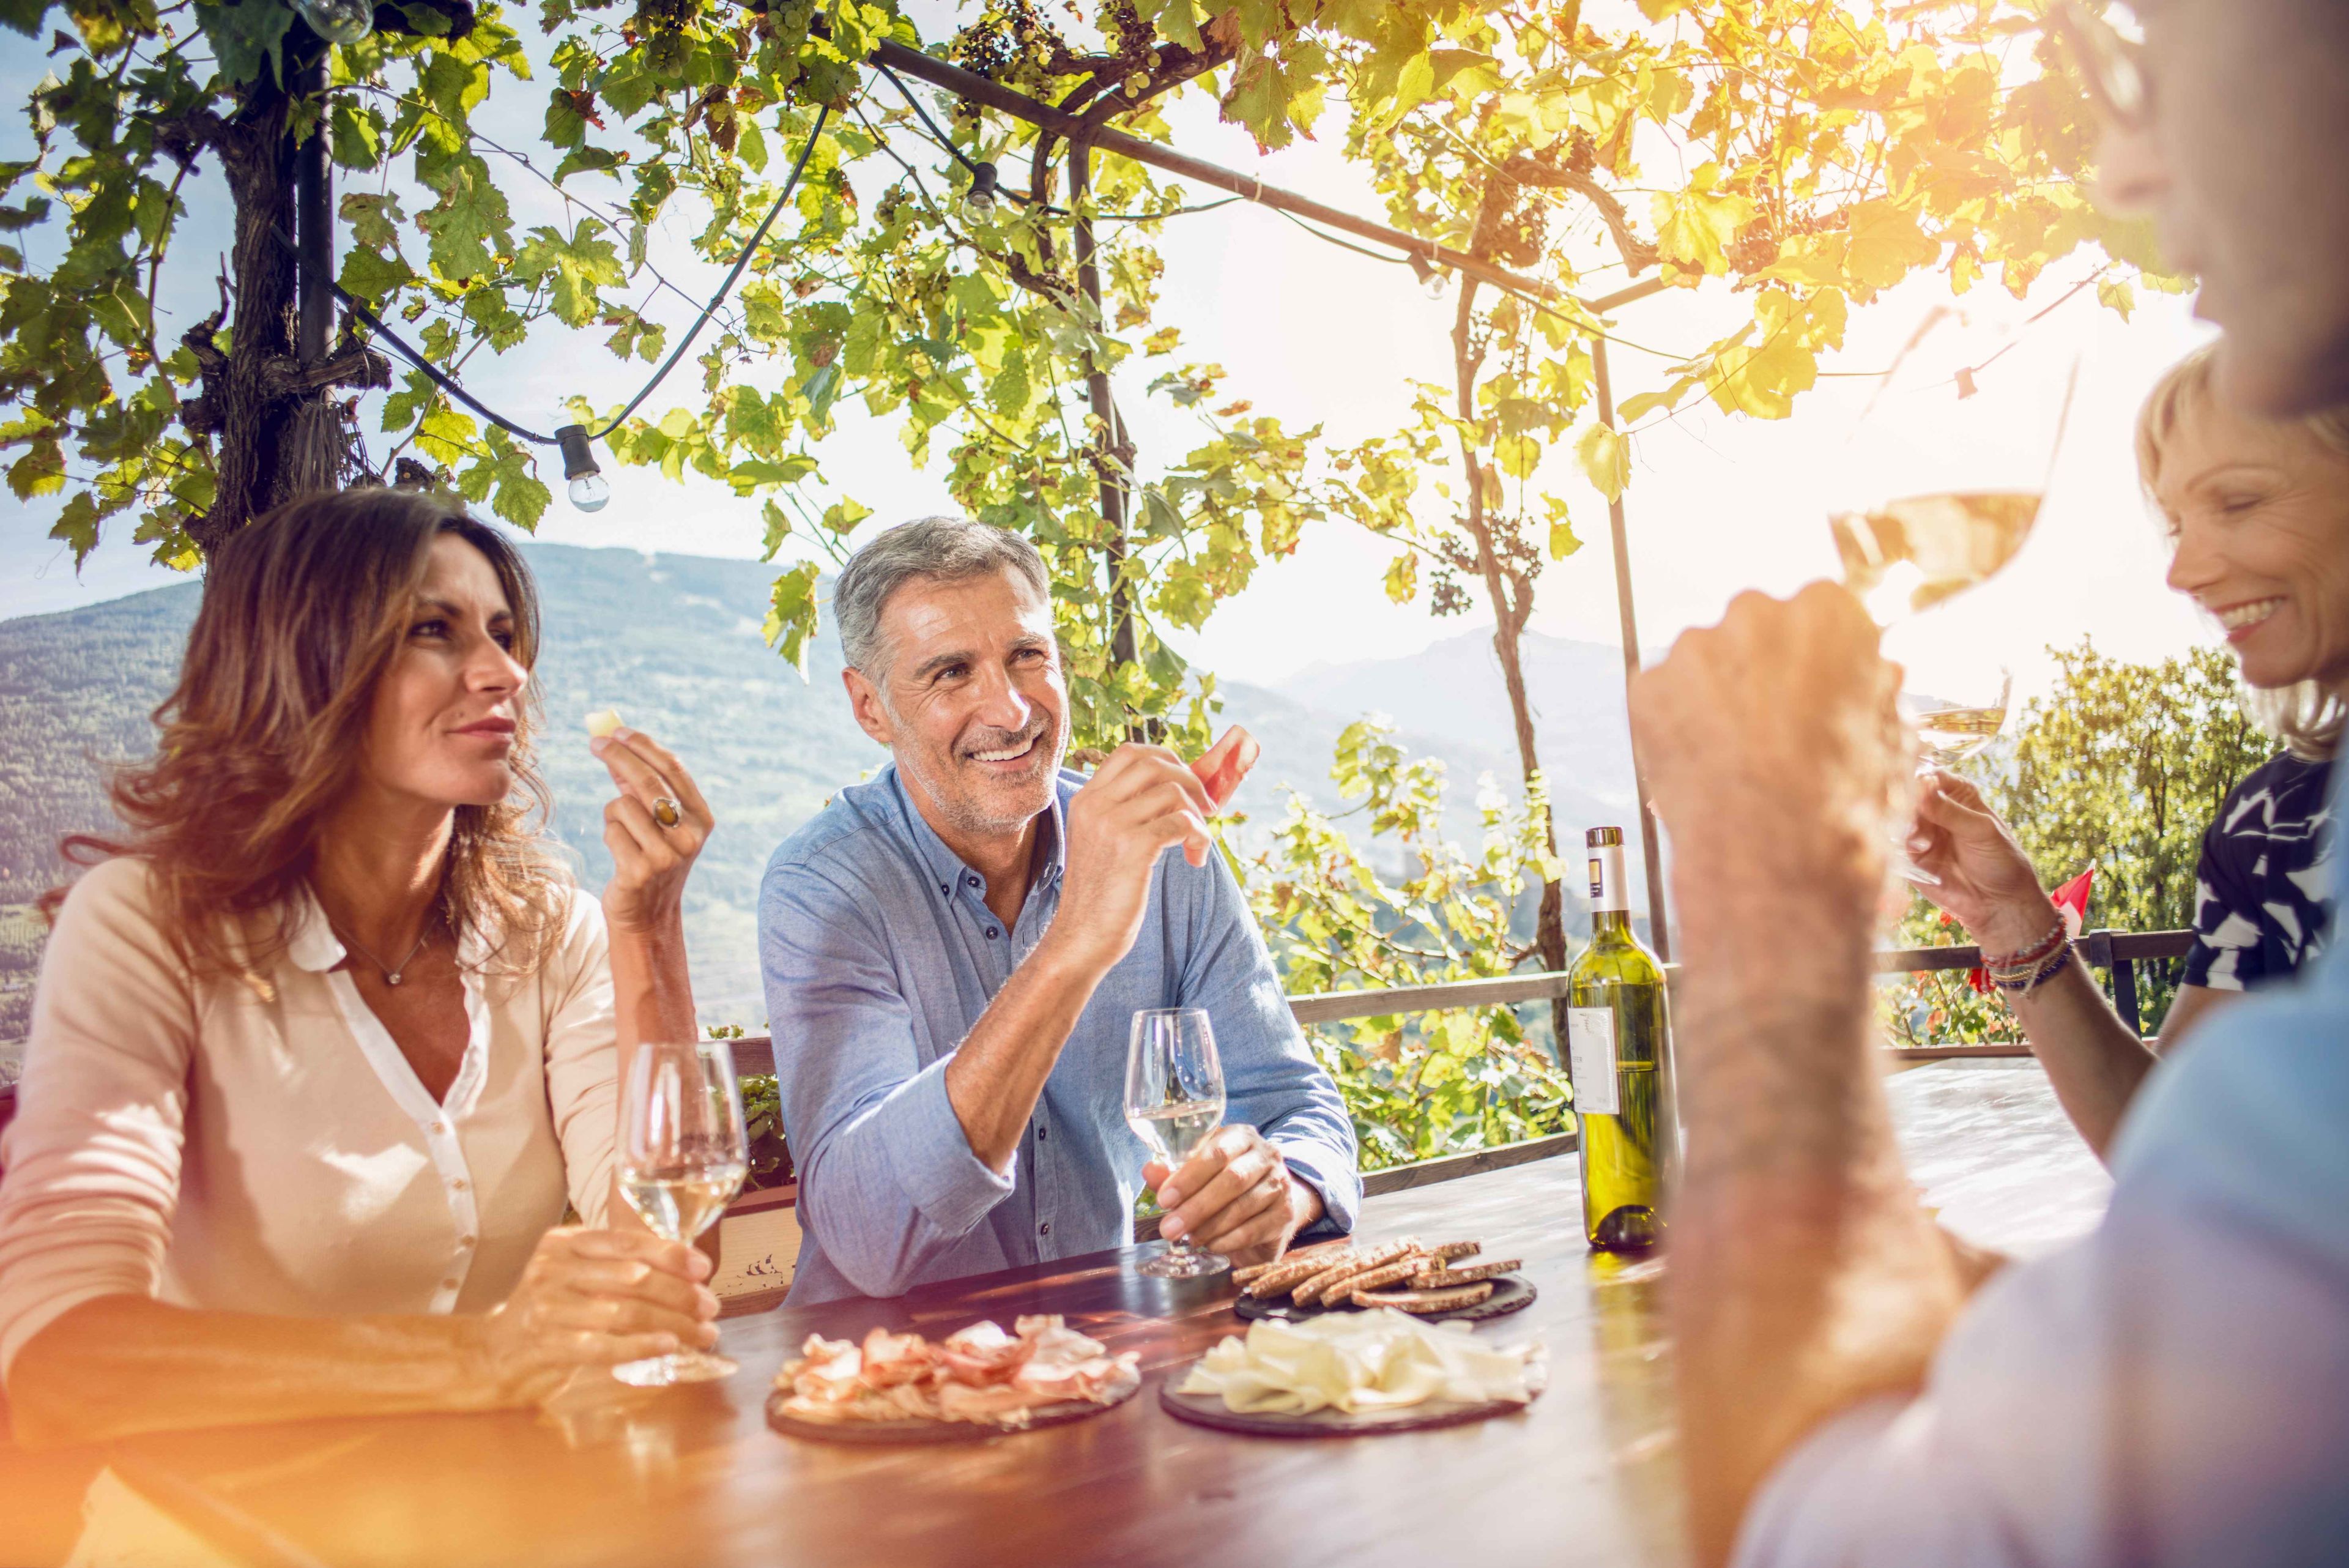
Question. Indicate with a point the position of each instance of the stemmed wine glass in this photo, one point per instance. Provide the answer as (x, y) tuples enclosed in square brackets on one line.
[(1906, 557), (683, 1156), (1174, 1099)]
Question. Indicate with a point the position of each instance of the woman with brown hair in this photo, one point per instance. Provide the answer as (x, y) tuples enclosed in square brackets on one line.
[(2257, 513), (324, 1049)]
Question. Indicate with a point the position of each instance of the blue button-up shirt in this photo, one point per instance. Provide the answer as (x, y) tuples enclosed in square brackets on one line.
[(880, 954)]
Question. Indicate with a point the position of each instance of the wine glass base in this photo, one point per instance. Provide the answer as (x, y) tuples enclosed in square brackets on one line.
[(660, 1371), (1184, 1265)]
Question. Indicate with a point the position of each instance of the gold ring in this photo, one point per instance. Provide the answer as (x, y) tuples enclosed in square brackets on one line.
[(667, 812)]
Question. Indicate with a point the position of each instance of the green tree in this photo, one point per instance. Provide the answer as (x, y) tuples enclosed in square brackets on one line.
[(1825, 155), (1422, 1083), (2119, 769)]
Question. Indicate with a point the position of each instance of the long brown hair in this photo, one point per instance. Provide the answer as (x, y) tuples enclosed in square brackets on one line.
[(302, 612)]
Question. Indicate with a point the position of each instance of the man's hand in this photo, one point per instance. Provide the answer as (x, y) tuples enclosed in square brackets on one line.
[(1770, 745), (1805, 1276), (1235, 1195), (1144, 801)]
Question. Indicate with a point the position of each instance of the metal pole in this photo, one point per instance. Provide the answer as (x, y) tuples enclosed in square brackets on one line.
[(993, 95), (1659, 933), (314, 228), (1110, 453)]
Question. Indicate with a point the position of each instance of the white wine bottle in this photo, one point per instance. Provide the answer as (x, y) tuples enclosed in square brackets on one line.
[(1619, 1055)]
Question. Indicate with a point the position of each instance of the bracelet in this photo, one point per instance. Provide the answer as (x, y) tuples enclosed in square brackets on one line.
[(2031, 957), (2023, 985)]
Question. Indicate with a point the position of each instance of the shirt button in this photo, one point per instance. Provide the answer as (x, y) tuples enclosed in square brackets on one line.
[(463, 1242), (1045, 1228), (1039, 1133), (440, 1130), (456, 1184), (448, 1284), (991, 933), (972, 881)]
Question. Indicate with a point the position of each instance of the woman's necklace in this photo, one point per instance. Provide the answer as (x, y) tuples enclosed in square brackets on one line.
[(390, 976)]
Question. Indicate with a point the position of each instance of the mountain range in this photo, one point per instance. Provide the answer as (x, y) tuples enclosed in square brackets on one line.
[(673, 642)]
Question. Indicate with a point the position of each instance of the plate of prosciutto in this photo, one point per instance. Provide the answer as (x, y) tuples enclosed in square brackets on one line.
[(977, 1382)]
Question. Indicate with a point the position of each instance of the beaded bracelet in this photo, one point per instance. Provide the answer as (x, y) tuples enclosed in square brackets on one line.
[(2022, 972)]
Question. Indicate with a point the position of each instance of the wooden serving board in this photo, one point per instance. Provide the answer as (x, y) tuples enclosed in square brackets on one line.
[(1209, 1410), (1511, 1293), (918, 1431)]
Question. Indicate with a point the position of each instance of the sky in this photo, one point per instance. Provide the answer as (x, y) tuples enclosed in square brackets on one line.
[(1311, 333)]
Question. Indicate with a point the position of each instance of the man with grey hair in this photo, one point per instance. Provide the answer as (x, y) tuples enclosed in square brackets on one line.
[(954, 952)]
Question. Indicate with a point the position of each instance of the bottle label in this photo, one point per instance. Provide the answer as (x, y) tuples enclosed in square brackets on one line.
[(1591, 1051), (1607, 891)]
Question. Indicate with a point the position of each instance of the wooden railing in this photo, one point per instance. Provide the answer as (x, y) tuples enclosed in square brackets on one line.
[(2116, 953)]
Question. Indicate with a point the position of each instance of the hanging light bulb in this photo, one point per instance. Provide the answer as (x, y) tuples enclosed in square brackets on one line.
[(1432, 281), (981, 199), (339, 21), (589, 490)]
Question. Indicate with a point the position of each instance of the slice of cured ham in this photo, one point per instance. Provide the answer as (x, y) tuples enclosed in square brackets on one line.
[(978, 1374)]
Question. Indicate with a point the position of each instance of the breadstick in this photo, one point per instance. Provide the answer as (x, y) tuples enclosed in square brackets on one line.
[(1443, 1279)]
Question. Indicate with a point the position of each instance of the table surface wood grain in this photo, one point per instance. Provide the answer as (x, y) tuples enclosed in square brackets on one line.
[(692, 1476)]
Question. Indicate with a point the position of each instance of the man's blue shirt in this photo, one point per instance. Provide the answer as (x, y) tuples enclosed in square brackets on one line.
[(880, 954)]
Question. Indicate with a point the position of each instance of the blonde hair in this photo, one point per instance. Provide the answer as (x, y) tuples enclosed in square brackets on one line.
[(2305, 716)]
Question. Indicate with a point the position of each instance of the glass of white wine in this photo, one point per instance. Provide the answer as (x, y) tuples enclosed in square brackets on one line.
[(1906, 557), (683, 1156), (1174, 1099)]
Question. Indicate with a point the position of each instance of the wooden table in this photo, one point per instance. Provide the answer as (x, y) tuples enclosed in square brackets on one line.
[(693, 1477)]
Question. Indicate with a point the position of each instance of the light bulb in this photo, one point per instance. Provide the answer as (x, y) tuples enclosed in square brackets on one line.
[(589, 492), (979, 200), (339, 21), (1436, 282)]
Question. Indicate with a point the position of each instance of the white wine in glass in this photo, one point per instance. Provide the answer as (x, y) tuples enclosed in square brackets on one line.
[(1906, 557), (1948, 736), (1174, 1099), (684, 1154)]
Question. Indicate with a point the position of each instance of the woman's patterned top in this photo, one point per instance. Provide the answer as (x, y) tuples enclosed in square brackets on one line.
[(2263, 891)]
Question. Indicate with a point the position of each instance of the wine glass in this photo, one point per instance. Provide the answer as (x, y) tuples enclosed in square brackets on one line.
[(1904, 558), (683, 1156), (1950, 733), (1174, 1099)]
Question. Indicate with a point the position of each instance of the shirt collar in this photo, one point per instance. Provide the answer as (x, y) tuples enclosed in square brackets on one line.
[(311, 945), (946, 868)]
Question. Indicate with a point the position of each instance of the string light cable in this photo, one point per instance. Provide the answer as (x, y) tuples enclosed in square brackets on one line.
[(589, 491)]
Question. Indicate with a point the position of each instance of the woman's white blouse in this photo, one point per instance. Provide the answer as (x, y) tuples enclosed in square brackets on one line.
[(199, 1143)]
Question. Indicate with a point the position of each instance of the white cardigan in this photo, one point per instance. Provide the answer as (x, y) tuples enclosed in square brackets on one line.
[(196, 1142)]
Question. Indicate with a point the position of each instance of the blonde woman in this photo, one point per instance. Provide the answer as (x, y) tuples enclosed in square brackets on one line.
[(323, 1050), (2257, 513)]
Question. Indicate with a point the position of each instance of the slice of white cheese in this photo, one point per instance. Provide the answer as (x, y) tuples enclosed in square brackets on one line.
[(603, 722)]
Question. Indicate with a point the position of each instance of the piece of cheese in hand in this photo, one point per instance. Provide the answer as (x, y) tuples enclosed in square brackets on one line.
[(603, 722)]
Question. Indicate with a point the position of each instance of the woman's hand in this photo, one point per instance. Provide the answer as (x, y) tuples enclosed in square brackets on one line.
[(1986, 881), (595, 1298), (650, 859)]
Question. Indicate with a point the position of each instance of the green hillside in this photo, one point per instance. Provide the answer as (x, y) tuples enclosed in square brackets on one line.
[(672, 641)]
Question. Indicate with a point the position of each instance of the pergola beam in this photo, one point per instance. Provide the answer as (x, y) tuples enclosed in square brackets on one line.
[(1076, 129)]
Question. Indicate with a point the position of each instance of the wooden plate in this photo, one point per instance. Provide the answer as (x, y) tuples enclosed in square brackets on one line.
[(1209, 1410), (919, 1431), (1511, 1293)]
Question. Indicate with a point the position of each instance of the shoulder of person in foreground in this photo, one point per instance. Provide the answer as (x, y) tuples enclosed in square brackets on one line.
[(2174, 1388)]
